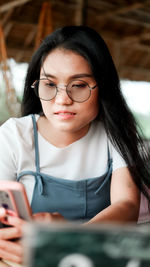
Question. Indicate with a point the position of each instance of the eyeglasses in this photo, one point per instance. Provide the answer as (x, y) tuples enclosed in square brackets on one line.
[(77, 90)]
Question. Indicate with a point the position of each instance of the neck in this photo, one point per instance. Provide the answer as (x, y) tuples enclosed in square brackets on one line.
[(57, 137)]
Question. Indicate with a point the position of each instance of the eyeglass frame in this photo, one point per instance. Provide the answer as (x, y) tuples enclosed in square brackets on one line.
[(57, 87)]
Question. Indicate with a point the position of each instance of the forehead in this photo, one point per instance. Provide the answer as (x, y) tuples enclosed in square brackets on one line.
[(64, 60)]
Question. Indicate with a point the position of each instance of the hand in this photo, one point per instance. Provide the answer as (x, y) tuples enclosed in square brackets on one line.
[(48, 217), (10, 250)]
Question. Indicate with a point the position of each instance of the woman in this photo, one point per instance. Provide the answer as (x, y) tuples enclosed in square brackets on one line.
[(79, 155)]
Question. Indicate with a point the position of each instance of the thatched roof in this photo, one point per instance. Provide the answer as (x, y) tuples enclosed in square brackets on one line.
[(124, 25)]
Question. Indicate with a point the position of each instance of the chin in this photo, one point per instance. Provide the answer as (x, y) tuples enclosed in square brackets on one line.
[(65, 128)]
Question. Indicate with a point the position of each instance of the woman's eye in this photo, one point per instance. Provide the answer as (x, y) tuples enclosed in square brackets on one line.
[(81, 85), (50, 84)]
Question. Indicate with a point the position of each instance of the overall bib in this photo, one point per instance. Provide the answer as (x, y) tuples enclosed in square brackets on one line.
[(75, 200)]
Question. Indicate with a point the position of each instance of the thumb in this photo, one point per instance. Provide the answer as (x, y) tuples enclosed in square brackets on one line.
[(15, 221), (2, 213)]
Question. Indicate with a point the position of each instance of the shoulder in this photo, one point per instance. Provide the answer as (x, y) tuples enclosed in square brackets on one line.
[(13, 123), (100, 132), (16, 126), (117, 159), (17, 123)]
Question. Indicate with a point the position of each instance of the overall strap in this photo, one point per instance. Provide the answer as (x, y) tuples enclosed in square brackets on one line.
[(109, 170), (37, 162), (38, 179), (36, 174), (109, 155)]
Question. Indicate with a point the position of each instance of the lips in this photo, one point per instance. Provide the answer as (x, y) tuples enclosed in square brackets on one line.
[(64, 113)]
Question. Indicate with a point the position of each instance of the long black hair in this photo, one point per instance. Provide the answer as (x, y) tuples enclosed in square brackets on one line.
[(117, 118)]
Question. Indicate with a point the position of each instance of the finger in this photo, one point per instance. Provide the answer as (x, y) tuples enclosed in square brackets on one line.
[(48, 217), (11, 251), (11, 247), (42, 216), (57, 214), (15, 221), (10, 233), (2, 213)]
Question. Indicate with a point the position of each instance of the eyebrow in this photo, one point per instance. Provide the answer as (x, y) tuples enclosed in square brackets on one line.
[(75, 76)]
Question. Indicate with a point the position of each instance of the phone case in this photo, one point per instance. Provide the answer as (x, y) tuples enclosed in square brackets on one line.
[(18, 197), (7, 201)]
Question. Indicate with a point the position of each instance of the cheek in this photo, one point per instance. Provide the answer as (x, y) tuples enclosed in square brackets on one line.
[(94, 103), (46, 106), (91, 108)]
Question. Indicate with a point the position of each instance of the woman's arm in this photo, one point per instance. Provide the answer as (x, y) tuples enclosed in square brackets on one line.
[(125, 200)]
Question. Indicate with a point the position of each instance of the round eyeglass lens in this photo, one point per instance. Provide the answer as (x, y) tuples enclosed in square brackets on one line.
[(78, 90), (46, 89)]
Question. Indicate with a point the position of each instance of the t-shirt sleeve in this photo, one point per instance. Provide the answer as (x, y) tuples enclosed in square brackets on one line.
[(7, 152), (117, 159)]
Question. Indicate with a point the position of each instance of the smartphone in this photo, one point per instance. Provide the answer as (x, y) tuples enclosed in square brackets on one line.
[(13, 197)]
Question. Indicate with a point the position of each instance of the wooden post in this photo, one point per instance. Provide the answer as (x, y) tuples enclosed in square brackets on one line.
[(44, 24), (10, 5), (80, 15)]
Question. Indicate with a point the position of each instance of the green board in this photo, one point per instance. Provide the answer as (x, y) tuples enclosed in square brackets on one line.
[(78, 246)]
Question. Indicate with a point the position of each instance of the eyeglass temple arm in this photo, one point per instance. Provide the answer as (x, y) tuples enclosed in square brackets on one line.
[(91, 88)]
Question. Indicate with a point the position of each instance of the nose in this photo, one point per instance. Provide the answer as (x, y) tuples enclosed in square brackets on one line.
[(62, 97)]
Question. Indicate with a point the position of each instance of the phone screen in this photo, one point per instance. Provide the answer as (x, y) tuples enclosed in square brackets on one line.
[(7, 202)]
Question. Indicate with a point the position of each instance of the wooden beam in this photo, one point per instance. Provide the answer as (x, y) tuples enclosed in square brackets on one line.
[(7, 17), (116, 47), (135, 71), (8, 28), (28, 40), (121, 10), (141, 47), (8, 6), (125, 40), (136, 41), (135, 38), (133, 21), (30, 36), (25, 57), (80, 12)]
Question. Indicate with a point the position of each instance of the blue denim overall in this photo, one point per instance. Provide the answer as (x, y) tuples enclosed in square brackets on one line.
[(75, 200)]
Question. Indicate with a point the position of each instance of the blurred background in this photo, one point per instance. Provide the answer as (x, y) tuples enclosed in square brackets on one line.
[(124, 25)]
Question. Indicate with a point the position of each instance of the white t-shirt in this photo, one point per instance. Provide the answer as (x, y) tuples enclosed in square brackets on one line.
[(85, 158)]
